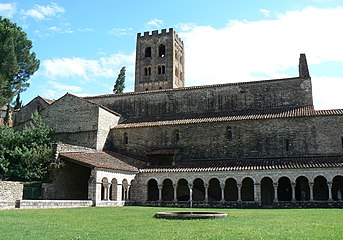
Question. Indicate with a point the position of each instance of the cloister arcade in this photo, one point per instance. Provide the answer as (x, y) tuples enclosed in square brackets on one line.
[(266, 190)]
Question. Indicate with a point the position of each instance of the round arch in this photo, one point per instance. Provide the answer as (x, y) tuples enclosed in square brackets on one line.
[(153, 193), (284, 190), (198, 190), (267, 191), (182, 190), (302, 189), (337, 188), (167, 190), (247, 190), (230, 190), (320, 189), (113, 189), (214, 190), (104, 189)]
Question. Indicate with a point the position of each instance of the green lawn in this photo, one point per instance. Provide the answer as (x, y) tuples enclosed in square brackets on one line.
[(139, 223)]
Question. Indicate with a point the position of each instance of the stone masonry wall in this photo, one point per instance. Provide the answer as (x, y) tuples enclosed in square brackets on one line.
[(267, 94), (73, 120), (250, 138), (10, 192)]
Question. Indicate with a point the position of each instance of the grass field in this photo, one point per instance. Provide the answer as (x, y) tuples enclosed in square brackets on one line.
[(139, 223)]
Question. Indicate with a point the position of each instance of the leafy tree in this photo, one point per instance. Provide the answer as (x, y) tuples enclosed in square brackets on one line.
[(17, 63), (7, 116), (26, 155), (120, 82)]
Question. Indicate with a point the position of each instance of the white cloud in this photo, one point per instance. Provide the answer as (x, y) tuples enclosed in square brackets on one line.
[(86, 69), (40, 12), (246, 50), (87, 29), (7, 9), (265, 12), (120, 31), (155, 23)]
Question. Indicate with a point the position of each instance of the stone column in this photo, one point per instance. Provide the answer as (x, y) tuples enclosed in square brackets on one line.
[(239, 185), (190, 186), (206, 192), (119, 192), (175, 192), (311, 184), (293, 184), (107, 192), (257, 192), (222, 186), (330, 190), (160, 192), (127, 192), (275, 192)]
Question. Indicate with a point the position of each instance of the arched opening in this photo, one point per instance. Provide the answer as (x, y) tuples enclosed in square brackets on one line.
[(214, 190), (132, 189), (230, 190), (182, 190), (125, 190), (167, 190), (125, 138), (267, 191), (159, 70), (320, 189), (228, 134), (113, 190), (163, 69), (302, 189), (284, 190), (152, 190), (145, 71), (247, 190), (162, 51), (104, 189), (147, 52), (337, 188), (198, 190)]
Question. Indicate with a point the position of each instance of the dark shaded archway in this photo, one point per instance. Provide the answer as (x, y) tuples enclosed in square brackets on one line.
[(247, 190), (113, 190), (198, 190), (214, 190), (302, 189), (230, 190), (320, 189), (337, 188), (153, 193), (284, 190), (167, 190), (182, 190), (267, 191)]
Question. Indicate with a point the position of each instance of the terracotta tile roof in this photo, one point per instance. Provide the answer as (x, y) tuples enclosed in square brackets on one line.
[(252, 164), (48, 101), (106, 160), (251, 114)]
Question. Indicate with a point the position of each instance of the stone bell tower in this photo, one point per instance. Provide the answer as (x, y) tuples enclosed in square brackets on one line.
[(159, 61)]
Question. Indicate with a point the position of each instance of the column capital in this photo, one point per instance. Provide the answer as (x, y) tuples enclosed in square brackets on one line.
[(190, 185)]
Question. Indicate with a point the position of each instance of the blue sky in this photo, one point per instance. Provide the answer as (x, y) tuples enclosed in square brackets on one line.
[(83, 44)]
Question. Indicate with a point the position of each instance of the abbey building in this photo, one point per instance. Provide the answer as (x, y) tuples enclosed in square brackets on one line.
[(248, 144)]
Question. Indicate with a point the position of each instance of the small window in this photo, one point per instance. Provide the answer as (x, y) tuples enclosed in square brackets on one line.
[(163, 69), (148, 52), (177, 136), (287, 145), (159, 70), (146, 89), (342, 141), (162, 51), (229, 134), (160, 88), (125, 139), (149, 71), (145, 71)]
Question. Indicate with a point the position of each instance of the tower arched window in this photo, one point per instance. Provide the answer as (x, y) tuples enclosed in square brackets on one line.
[(229, 134), (162, 51), (163, 69), (159, 70), (148, 52), (149, 71), (145, 71), (177, 136), (125, 138)]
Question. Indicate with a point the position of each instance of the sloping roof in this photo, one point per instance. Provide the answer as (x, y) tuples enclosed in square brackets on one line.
[(106, 160), (250, 114), (245, 164), (48, 101)]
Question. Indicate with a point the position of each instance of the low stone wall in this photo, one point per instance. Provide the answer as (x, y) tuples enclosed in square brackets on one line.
[(26, 204), (111, 204), (10, 193)]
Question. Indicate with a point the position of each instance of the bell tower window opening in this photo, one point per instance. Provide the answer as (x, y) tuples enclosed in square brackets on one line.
[(149, 71), (147, 52), (162, 51), (159, 70), (163, 69), (145, 71)]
